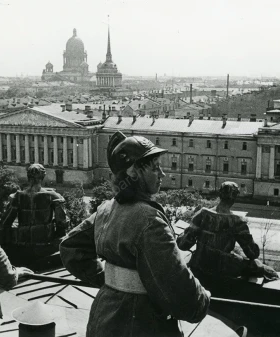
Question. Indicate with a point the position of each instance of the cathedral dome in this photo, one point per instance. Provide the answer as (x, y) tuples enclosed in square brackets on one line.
[(75, 45)]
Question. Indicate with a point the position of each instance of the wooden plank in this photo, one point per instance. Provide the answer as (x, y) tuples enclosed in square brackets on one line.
[(79, 299)]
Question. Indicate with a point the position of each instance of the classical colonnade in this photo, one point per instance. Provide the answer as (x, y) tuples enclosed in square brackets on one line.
[(271, 162), (86, 142), (106, 81)]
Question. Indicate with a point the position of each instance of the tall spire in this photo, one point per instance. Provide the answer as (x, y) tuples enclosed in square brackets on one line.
[(109, 55)]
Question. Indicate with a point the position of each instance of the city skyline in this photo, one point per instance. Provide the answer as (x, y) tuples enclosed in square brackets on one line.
[(209, 38)]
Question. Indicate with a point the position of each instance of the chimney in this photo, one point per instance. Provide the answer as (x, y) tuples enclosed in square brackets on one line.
[(89, 113), (227, 84), (78, 111), (63, 107), (109, 113), (253, 118), (87, 108), (133, 118), (68, 106), (268, 103), (224, 121), (190, 93), (139, 106), (119, 117), (191, 120), (239, 117), (18, 100), (113, 108), (154, 119), (201, 115), (209, 115)]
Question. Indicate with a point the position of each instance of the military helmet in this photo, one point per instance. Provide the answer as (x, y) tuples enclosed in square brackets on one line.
[(123, 152)]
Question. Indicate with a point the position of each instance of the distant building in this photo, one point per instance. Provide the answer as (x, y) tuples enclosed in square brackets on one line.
[(75, 67), (107, 75)]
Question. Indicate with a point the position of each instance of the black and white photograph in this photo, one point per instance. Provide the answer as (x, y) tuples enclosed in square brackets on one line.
[(139, 168)]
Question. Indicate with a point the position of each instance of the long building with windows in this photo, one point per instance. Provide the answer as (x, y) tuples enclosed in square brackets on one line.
[(201, 153)]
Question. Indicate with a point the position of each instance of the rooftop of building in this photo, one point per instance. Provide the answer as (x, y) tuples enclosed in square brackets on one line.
[(182, 125)]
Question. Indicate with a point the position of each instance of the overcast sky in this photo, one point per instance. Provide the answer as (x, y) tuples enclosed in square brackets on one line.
[(176, 37)]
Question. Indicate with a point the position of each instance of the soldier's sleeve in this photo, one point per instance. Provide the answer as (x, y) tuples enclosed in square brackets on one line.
[(61, 218), (8, 218), (169, 282), (78, 253), (245, 239), (188, 239), (8, 273)]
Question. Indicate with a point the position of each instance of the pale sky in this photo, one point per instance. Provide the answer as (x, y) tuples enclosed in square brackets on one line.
[(176, 37)]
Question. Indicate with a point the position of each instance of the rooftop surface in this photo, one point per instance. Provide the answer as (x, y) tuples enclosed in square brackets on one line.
[(182, 125)]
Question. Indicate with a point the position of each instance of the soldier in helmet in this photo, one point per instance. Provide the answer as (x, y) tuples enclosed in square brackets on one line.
[(41, 220), (215, 232), (146, 287)]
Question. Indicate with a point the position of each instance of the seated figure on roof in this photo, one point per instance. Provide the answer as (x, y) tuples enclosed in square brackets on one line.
[(41, 218), (215, 232)]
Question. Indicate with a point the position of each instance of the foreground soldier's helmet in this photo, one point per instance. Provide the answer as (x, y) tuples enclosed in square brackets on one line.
[(229, 190), (123, 152), (36, 171)]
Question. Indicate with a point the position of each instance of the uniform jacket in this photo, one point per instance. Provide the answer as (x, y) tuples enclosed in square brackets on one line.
[(134, 235), (215, 236), (36, 214)]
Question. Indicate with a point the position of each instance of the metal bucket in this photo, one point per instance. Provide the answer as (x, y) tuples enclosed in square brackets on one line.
[(45, 330)]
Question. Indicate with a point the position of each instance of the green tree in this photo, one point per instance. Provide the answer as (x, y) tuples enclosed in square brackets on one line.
[(101, 193), (8, 184), (76, 207)]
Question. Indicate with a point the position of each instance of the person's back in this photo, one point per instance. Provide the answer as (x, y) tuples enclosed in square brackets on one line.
[(216, 232), (215, 235), (42, 220), (41, 216)]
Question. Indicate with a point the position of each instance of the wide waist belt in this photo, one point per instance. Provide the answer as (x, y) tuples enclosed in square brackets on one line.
[(123, 279)]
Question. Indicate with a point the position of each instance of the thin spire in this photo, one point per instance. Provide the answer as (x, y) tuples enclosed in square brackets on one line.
[(74, 32), (109, 54)]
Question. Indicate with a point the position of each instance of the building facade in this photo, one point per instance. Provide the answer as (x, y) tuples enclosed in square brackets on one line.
[(63, 146), (107, 75), (202, 154), (75, 66)]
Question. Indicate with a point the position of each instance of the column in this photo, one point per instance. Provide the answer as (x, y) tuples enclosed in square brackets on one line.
[(36, 149), (259, 162), (85, 153), (55, 151), (9, 148), (90, 152), (97, 149), (271, 162), (75, 153), (1, 148), (17, 149), (26, 144), (65, 159), (113, 81), (46, 151)]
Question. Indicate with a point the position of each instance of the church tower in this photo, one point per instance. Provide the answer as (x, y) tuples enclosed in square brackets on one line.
[(107, 75)]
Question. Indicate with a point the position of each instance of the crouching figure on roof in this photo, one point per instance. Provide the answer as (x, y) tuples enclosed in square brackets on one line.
[(41, 218), (215, 232), (146, 286)]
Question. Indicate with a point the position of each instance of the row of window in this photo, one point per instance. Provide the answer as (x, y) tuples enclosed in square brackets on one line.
[(208, 143), (207, 184), (208, 167)]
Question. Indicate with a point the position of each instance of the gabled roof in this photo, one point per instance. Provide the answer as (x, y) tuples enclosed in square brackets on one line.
[(182, 125), (34, 117)]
